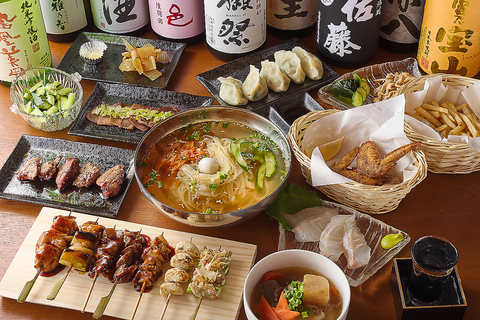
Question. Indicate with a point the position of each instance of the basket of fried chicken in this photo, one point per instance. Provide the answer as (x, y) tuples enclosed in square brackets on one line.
[(359, 157), (442, 112)]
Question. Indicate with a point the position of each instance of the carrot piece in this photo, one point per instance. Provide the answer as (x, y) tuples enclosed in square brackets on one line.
[(286, 314), (282, 302), (272, 275), (266, 311)]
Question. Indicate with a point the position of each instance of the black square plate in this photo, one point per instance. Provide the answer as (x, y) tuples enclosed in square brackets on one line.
[(240, 68), (45, 193), (111, 93), (108, 69)]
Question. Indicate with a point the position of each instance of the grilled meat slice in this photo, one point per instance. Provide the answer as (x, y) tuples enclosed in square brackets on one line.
[(30, 169), (87, 175), (67, 173), (64, 224), (49, 169), (125, 273), (147, 274), (130, 254), (111, 181), (111, 244), (49, 248)]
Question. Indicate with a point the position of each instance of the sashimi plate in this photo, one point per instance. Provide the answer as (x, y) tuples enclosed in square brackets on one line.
[(372, 229)]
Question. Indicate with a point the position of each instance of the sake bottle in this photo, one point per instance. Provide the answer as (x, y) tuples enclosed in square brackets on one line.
[(120, 17), (292, 19), (235, 28), (64, 19), (177, 20), (24, 39)]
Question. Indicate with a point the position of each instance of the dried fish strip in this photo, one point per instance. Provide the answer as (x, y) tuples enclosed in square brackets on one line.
[(391, 85)]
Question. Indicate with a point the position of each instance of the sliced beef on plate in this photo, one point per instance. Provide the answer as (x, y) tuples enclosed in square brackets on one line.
[(30, 170), (67, 173)]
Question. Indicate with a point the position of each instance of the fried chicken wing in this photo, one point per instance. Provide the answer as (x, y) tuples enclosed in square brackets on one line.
[(374, 165)]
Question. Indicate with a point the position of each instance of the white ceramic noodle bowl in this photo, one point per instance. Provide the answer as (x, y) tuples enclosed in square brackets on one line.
[(296, 258)]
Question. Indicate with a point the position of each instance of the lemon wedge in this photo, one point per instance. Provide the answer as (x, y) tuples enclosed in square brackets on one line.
[(330, 149)]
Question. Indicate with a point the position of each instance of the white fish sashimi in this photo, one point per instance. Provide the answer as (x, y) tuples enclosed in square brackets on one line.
[(294, 219), (355, 248), (331, 239), (310, 229)]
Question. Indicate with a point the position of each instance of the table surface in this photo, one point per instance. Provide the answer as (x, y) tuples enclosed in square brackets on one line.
[(445, 205)]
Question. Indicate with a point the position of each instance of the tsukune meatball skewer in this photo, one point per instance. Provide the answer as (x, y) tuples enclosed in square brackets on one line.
[(111, 245), (157, 253), (210, 275), (181, 263), (126, 266), (49, 247), (78, 256)]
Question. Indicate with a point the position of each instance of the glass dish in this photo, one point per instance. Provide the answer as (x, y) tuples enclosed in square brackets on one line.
[(108, 70), (111, 93), (371, 73), (240, 68), (373, 230), (48, 122)]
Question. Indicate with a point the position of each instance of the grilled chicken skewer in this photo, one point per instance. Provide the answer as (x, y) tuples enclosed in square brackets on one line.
[(151, 269), (49, 247), (78, 256), (181, 263), (111, 245), (210, 276), (126, 266)]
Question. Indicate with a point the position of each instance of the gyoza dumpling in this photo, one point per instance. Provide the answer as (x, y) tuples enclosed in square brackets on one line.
[(254, 87), (275, 78), (290, 63), (310, 63), (231, 91)]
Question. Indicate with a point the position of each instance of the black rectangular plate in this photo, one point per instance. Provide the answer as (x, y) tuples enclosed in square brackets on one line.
[(284, 112), (112, 93), (240, 68), (89, 200), (108, 69)]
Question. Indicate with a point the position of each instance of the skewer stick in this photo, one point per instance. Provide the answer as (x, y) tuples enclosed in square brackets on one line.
[(194, 315), (138, 301), (27, 287), (58, 285), (165, 307), (102, 305), (89, 293)]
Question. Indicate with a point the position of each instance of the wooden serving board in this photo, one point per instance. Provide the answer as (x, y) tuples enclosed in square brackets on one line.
[(73, 293)]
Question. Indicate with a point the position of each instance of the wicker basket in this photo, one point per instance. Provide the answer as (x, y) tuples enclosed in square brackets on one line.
[(365, 198), (444, 156)]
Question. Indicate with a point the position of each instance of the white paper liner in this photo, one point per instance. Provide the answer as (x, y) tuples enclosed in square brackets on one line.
[(381, 122), (434, 89)]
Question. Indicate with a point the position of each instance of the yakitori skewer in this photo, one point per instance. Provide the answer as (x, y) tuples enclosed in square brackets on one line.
[(150, 270), (181, 263), (78, 256), (126, 266), (111, 245), (210, 275), (49, 247)]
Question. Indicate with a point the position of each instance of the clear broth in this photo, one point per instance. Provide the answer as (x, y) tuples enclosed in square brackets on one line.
[(179, 138)]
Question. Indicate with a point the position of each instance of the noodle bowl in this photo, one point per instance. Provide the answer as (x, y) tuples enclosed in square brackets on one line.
[(172, 175)]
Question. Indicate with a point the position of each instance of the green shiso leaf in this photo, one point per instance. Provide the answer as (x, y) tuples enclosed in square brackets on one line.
[(293, 199)]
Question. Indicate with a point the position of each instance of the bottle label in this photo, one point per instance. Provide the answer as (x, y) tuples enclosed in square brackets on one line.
[(24, 41), (291, 15), (120, 16), (348, 30), (402, 20), (235, 26), (177, 19), (63, 16), (449, 38)]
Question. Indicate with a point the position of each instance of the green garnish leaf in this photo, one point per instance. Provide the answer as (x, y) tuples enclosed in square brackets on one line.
[(292, 199)]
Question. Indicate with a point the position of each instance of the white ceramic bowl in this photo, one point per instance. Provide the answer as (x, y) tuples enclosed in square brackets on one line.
[(296, 258)]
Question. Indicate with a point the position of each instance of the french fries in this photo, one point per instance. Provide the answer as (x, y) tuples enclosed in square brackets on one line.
[(448, 119), (143, 60)]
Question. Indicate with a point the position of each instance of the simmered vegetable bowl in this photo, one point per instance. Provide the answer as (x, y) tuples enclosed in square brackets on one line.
[(47, 98)]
